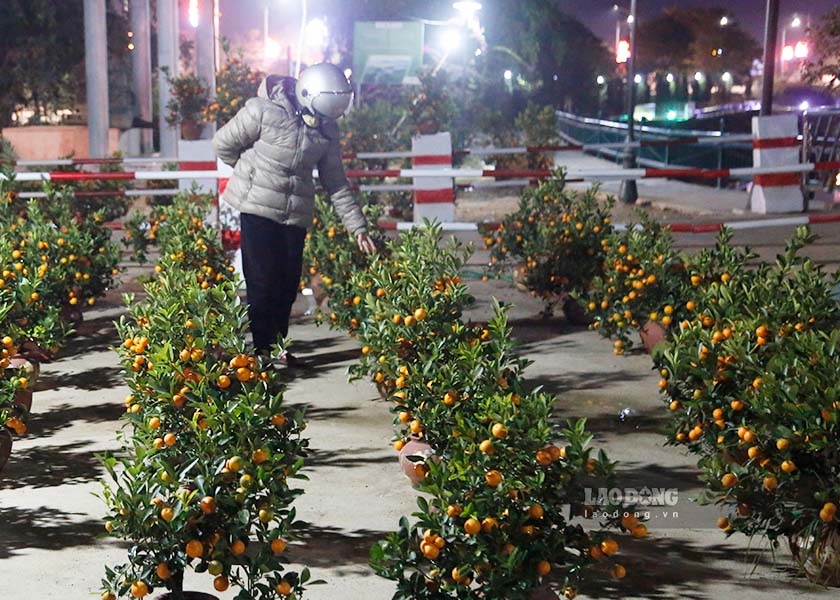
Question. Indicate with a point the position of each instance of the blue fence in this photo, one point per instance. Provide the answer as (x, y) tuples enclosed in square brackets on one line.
[(720, 154)]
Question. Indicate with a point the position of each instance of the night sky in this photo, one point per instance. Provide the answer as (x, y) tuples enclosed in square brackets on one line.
[(242, 16), (600, 18)]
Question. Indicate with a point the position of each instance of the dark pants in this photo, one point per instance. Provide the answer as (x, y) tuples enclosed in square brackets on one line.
[(272, 258)]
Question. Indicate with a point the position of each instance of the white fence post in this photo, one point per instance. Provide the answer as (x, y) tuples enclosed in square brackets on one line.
[(775, 144), (434, 197)]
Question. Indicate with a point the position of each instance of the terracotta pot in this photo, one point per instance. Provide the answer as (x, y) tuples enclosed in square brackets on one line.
[(5, 446), (419, 452), (652, 333), (190, 130), (31, 366), (818, 557), (575, 313), (23, 398)]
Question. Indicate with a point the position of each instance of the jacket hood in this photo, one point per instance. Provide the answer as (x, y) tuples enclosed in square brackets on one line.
[(280, 90)]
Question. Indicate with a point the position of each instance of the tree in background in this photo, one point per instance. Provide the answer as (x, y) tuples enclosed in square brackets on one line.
[(40, 48), (556, 56), (42, 58), (236, 82), (823, 66), (682, 41)]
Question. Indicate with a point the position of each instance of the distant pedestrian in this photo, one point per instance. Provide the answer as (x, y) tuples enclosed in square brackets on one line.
[(273, 144)]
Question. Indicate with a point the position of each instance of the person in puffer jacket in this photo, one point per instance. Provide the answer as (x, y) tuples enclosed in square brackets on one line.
[(273, 144)]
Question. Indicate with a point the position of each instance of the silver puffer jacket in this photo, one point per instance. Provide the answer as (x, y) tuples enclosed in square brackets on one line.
[(273, 153)]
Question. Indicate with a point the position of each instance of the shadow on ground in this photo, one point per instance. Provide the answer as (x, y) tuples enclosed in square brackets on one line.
[(46, 424), (680, 569), (98, 378), (44, 528), (582, 381), (50, 466), (333, 548), (347, 458)]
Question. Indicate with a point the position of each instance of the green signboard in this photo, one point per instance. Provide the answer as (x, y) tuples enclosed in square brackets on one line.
[(387, 52)]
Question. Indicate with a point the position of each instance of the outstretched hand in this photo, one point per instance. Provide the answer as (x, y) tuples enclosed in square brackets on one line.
[(366, 244)]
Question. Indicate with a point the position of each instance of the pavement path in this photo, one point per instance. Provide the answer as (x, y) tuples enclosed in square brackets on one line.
[(49, 521)]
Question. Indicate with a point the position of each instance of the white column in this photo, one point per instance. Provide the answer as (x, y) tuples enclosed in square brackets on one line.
[(434, 197), (775, 145), (96, 74), (167, 19), (205, 54), (141, 63)]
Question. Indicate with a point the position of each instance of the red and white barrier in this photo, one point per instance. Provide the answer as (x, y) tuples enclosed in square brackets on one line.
[(675, 227), (434, 195), (775, 145), (450, 173), (493, 151)]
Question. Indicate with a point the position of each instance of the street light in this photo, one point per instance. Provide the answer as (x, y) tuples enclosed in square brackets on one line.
[(727, 77), (192, 11), (316, 34), (637, 78), (467, 9), (508, 74), (600, 80), (795, 23), (724, 21), (669, 78)]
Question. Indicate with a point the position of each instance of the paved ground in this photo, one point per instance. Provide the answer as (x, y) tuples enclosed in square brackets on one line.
[(49, 521)]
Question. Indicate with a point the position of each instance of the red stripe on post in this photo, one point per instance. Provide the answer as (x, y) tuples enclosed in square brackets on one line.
[(434, 196), (778, 179), (381, 174), (827, 165), (701, 173), (70, 176), (223, 182), (813, 219), (422, 161), (203, 165), (769, 143)]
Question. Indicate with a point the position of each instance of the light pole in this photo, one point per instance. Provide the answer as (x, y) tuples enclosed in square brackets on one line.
[(771, 29), (629, 193)]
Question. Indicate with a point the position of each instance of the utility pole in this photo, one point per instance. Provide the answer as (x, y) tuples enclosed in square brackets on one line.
[(205, 54), (771, 30), (96, 75), (167, 19), (629, 193), (141, 64)]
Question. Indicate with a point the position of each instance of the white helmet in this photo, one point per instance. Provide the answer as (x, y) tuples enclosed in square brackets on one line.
[(323, 90)]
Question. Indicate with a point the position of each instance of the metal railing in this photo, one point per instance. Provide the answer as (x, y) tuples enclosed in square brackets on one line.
[(821, 135), (709, 150)]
